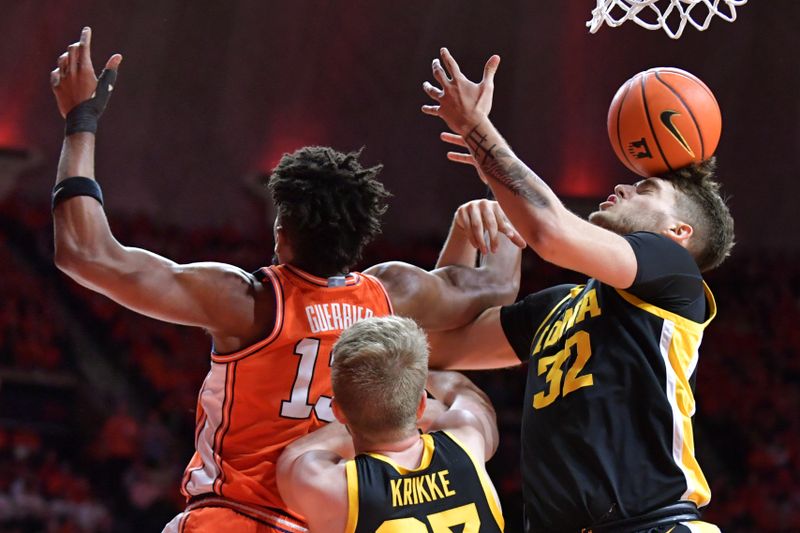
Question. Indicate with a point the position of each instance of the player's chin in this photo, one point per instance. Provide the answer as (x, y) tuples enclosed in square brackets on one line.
[(597, 217), (604, 219)]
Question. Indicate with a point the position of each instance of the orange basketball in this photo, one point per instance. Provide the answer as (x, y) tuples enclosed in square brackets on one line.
[(663, 119)]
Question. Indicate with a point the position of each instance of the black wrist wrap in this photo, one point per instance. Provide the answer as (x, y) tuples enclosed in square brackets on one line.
[(84, 116)]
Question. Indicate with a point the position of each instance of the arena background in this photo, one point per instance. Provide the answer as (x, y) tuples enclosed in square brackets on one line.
[(96, 404)]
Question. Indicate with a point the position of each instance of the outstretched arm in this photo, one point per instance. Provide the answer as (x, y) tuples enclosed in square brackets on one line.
[(479, 345), (452, 295), (220, 298), (554, 233)]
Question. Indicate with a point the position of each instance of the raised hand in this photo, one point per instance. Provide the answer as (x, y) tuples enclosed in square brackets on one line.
[(479, 216), (74, 81), (462, 104)]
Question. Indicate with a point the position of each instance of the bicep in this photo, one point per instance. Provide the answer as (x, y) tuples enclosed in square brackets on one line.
[(481, 344), (442, 299), (209, 295)]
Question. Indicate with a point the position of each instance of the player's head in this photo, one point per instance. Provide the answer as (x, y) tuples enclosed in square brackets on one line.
[(328, 208), (684, 205), (380, 366)]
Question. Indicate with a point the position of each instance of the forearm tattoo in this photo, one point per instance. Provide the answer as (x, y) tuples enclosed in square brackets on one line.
[(502, 166)]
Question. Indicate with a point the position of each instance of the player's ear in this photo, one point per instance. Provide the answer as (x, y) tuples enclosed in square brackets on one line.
[(283, 249), (423, 403), (679, 232), (337, 412)]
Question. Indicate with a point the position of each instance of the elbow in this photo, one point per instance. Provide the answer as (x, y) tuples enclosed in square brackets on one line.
[(505, 288), (547, 240), (67, 258), (510, 289), (76, 262)]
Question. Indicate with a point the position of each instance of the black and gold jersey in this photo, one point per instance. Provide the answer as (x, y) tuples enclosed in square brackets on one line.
[(606, 430), (448, 492)]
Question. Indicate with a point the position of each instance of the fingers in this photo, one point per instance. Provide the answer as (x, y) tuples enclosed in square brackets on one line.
[(452, 138), (432, 91), (450, 63), (439, 73), (73, 58), (431, 110), (55, 78), (505, 227), (517, 239), (489, 219), (470, 221), (63, 64), (458, 157), (490, 69), (113, 62), (484, 220), (84, 47)]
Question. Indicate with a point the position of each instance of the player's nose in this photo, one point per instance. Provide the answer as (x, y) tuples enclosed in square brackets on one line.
[(623, 190)]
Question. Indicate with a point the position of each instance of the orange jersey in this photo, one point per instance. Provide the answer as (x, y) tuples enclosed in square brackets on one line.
[(256, 401)]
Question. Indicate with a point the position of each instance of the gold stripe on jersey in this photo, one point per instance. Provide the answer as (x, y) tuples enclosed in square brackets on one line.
[(679, 344), (673, 317), (425, 462), (352, 496), (491, 496), (572, 293), (696, 526)]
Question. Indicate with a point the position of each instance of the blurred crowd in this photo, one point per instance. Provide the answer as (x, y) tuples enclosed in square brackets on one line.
[(73, 459)]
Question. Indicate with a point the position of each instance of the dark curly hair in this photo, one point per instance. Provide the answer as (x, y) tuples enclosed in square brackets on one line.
[(329, 205), (703, 207)]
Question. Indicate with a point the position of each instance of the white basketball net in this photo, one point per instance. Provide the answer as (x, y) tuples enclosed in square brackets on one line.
[(671, 15)]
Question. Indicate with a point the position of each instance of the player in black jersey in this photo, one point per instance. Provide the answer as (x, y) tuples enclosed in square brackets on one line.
[(607, 440), (401, 480)]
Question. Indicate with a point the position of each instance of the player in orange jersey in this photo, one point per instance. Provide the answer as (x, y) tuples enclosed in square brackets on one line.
[(272, 331)]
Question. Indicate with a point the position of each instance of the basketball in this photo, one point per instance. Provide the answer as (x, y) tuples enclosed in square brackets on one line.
[(663, 119)]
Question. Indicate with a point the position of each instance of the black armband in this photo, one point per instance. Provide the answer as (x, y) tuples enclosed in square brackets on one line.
[(76, 186), (84, 116)]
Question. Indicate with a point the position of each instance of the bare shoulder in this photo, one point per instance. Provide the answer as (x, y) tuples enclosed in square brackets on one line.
[(402, 282), (229, 276), (241, 306), (395, 273)]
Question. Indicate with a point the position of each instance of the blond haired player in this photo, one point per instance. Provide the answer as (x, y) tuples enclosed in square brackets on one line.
[(401, 480)]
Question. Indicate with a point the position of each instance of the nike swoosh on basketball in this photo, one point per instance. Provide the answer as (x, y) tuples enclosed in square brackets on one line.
[(666, 120)]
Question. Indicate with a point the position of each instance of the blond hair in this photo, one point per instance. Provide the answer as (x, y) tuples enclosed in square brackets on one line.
[(380, 366)]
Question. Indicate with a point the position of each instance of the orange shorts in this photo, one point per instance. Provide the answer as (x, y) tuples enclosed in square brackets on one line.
[(211, 519)]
